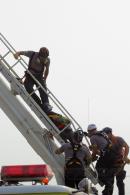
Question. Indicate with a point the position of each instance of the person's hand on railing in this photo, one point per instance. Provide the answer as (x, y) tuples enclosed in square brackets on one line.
[(16, 55), (20, 80)]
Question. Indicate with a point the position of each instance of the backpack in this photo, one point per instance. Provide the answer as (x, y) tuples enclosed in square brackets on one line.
[(29, 64), (109, 154), (112, 156), (109, 143), (75, 162)]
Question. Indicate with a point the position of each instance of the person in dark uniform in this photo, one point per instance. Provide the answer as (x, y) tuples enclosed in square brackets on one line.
[(109, 164), (39, 63), (122, 150), (99, 143)]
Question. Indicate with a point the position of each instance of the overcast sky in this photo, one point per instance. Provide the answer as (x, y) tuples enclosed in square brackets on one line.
[(89, 43)]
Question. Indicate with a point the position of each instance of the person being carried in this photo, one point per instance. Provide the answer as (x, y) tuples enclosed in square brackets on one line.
[(63, 124), (77, 157), (39, 63)]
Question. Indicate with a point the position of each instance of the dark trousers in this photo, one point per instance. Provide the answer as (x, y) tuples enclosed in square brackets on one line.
[(120, 181), (73, 176), (105, 176), (29, 84)]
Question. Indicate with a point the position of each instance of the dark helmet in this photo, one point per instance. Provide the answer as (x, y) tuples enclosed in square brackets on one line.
[(44, 52), (78, 135), (107, 130)]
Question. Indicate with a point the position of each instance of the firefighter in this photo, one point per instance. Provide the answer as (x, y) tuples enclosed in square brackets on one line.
[(99, 144), (121, 150), (39, 63), (77, 157), (109, 162)]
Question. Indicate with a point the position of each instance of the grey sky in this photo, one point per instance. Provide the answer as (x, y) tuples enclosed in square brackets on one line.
[(89, 43)]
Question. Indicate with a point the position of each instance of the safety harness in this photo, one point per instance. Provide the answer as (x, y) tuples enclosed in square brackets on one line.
[(75, 162), (110, 154)]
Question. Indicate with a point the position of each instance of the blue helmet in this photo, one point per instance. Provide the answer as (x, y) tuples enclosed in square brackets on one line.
[(107, 130)]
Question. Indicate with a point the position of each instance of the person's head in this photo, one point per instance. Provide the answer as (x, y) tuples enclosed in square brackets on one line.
[(78, 136), (85, 186), (43, 52), (108, 131), (92, 129)]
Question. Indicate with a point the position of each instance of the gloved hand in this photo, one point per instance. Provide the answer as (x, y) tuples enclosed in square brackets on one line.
[(86, 134), (20, 80), (127, 161), (94, 158)]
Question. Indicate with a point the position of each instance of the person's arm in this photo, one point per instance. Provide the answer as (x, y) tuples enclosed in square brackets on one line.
[(60, 150), (88, 159), (95, 151), (25, 53), (88, 156), (126, 152), (17, 54), (94, 147), (46, 72)]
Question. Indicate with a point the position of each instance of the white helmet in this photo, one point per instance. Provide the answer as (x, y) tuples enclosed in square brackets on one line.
[(92, 127)]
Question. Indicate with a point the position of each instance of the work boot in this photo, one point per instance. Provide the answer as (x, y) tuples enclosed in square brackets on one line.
[(46, 108)]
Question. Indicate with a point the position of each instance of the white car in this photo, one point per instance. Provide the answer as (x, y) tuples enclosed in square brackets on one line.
[(12, 178), (36, 190)]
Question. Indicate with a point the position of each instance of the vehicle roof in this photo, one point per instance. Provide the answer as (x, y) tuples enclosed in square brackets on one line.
[(40, 189)]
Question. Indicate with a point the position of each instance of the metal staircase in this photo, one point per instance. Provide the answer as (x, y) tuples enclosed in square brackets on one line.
[(28, 117)]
